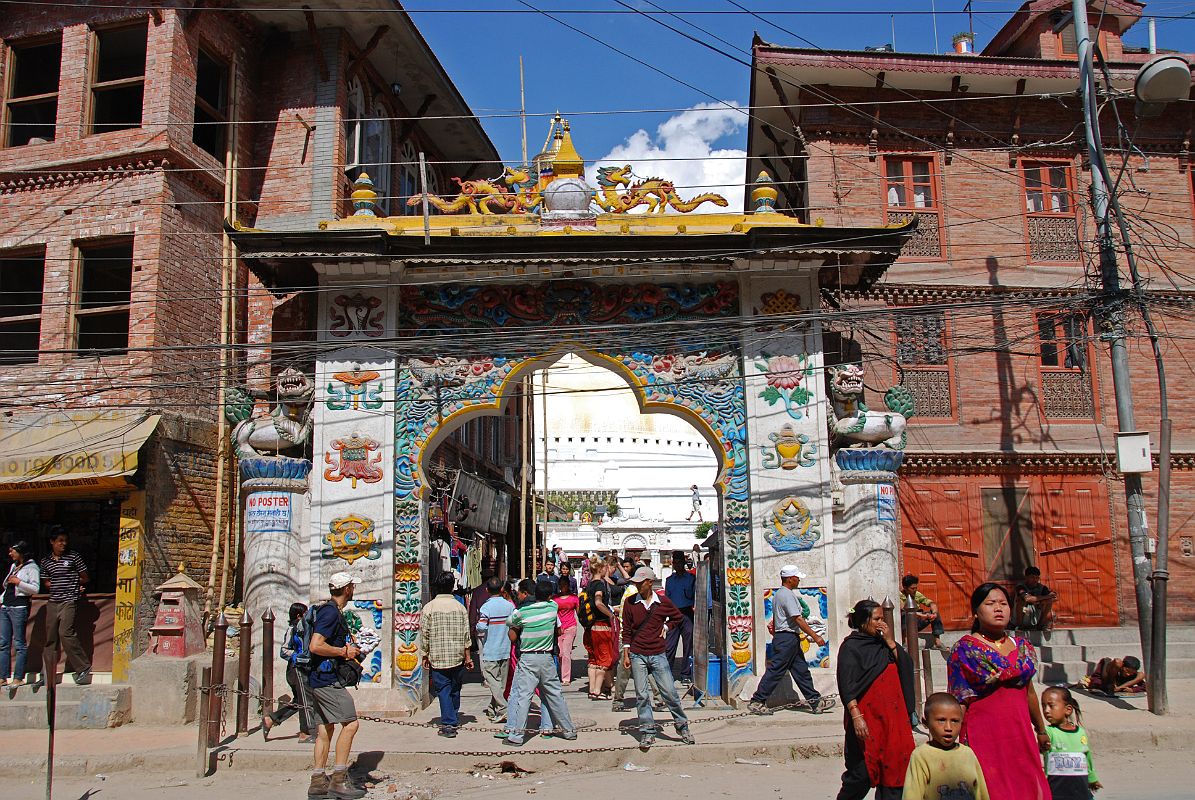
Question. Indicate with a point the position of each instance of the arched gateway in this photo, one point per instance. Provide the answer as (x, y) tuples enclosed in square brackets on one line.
[(425, 321)]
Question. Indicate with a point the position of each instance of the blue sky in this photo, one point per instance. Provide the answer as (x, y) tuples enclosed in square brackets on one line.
[(567, 71)]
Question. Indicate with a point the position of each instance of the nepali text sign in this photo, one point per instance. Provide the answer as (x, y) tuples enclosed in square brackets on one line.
[(267, 512)]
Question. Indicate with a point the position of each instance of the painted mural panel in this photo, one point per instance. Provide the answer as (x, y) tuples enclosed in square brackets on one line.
[(352, 485), (816, 607)]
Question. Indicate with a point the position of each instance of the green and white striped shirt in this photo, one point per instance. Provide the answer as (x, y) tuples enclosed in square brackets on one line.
[(536, 624)]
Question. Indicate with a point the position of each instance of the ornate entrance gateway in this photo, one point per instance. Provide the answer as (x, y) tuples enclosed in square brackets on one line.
[(424, 323)]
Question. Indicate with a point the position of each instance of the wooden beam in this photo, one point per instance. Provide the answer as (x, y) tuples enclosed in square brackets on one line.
[(409, 126), (785, 105), (370, 46), (313, 35)]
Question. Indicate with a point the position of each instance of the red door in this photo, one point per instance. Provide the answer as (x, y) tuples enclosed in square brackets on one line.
[(1074, 547), (941, 544)]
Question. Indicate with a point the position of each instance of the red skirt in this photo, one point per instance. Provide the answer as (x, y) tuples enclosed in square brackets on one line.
[(599, 645), (890, 745)]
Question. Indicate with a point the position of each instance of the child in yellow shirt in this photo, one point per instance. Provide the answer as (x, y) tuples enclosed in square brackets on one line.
[(943, 768)]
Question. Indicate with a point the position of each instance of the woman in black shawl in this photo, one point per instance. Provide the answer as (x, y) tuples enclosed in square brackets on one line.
[(875, 684)]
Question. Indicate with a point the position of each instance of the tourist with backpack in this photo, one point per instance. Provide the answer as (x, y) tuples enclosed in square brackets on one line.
[(593, 612), (333, 668), (293, 643)]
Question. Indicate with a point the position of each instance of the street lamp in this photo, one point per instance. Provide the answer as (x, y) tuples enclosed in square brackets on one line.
[(1160, 81)]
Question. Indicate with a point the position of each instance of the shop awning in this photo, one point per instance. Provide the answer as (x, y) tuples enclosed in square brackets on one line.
[(71, 449)]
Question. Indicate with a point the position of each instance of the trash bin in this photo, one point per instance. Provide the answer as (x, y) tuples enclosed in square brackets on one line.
[(713, 676)]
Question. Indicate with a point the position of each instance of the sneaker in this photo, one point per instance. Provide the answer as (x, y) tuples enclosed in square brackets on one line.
[(499, 719), (822, 705), (760, 709), (448, 732), (647, 741), (568, 736), (319, 786), (341, 788), (513, 742), (685, 736), (83, 678), (618, 706)]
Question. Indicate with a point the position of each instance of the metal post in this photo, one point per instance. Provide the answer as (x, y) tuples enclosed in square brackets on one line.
[(1111, 316), (215, 706), (889, 615), (927, 671), (701, 629), (50, 676), (913, 645), (267, 661), (244, 662), (205, 691), (1156, 682)]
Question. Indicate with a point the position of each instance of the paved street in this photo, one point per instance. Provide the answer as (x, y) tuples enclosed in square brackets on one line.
[(1126, 776)]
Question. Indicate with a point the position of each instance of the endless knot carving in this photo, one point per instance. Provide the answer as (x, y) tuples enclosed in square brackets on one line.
[(926, 241), (1054, 239), (931, 392), (1067, 395)]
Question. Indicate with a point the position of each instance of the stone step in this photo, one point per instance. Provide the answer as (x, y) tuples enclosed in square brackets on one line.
[(77, 707), (1174, 650), (1097, 636)]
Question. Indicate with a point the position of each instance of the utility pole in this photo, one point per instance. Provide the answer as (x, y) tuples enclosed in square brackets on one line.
[(1111, 318)]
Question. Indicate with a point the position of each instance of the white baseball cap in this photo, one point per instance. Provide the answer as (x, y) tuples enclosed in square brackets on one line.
[(339, 580), (791, 571), (643, 574)]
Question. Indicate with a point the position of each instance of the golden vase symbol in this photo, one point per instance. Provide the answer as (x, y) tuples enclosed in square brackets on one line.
[(788, 446)]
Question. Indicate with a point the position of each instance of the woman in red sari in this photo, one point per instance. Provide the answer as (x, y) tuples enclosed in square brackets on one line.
[(991, 673), (875, 685)]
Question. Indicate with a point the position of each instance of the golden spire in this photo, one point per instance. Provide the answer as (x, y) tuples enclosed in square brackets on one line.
[(567, 162)]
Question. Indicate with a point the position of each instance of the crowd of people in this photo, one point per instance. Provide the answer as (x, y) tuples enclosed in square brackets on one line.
[(990, 735)]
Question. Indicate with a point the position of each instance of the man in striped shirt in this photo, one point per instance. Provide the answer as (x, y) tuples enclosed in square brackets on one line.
[(64, 574), (533, 627)]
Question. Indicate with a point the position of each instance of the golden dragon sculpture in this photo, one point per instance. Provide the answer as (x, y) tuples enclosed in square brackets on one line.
[(505, 194), (657, 194)]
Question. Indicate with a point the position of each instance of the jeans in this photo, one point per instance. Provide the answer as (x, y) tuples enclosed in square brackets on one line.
[(934, 625), (12, 633), (681, 634), (537, 670), (643, 668), (495, 673), (621, 676), (446, 685), (787, 656)]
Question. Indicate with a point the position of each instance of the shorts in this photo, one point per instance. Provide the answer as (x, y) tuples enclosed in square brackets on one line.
[(599, 645), (332, 704)]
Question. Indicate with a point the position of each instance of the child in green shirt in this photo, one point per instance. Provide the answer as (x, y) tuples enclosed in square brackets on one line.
[(1069, 767)]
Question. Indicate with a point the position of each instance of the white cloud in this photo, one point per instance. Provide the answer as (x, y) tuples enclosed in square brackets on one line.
[(688, 137)]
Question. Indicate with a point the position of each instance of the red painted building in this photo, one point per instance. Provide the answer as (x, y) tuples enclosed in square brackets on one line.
[(987, 316)]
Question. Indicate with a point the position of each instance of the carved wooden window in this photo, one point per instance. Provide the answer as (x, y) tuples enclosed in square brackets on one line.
[(21, 279), (105, 284), (210, 131), (31, 97), (118, 77), (923, 356), (1064, 344), (910, 189), (1052, 223)]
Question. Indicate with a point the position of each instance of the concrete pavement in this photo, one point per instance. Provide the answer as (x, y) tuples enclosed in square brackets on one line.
[(722, 735)]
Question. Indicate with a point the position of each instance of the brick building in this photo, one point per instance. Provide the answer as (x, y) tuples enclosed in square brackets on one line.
[(1011, 454), (127, 138)]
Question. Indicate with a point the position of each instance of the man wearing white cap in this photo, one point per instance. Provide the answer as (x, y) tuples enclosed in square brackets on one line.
[(788, 617), (332, 705), (646, 617)]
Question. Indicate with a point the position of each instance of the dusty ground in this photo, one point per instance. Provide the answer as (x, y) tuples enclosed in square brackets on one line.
[(1126, 776)]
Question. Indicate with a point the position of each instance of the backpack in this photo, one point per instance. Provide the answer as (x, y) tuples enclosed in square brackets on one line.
[(587, 610), (302, 635)]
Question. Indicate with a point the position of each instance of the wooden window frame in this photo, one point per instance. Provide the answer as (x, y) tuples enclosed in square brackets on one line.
[(10, 72), (38, 253), (216, 114), (1088, 369), (1101, 38), (935, 187), (1047, 190), (93, 85), (899, 368), (77, 309)]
